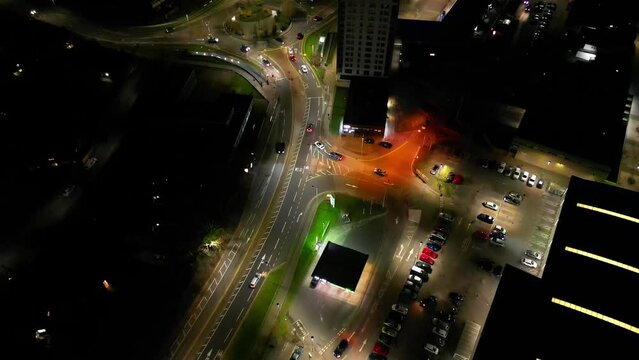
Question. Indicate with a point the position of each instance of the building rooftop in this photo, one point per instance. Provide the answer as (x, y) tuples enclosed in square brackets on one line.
[(340, 266), (583, 306)]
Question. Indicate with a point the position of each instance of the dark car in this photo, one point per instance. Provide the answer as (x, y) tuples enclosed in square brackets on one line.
[(484, 163), (169, 30), (300, 36), (297, 354), (280, 40), (540, 183), (379, 172), (450, 177), (434, 246), (318, 18), (374, 356), (245, 48), (407, 294), (435, 169), (496, 234), (266, 62), (314, 281), (280, 147), (341, 347), (456, 297), (212, 40), (396, 316), (486, 218), (386, 339), (430, 301), (385, 144), (369, 141), (424, 266), (446, 316)]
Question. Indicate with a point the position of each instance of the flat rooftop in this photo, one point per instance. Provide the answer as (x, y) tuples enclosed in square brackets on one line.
[(424, 10), (583, 306), (341, 266)]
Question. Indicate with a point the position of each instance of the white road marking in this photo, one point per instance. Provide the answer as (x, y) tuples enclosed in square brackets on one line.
[(227, 335), (290, 209), (277, 242), (295, 196), (364, 343), (283, 226), (239, 315)]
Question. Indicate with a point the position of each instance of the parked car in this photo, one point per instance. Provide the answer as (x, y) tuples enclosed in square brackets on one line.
[(385, 144), (509, 171), (430, 253), (435, 169), (427, 259), (434, 246), (528, 262), (319, 145), (540, 184), (446, 217), (524, 176), (415, 279), (431, 349), (486, 218), (440, 332), (450, 177), (500, 228), (516, 173), (490, 205), (441, 324), (394, 324), (501, 167), (458, 179), (424, 266), (375, 356), (245, 48), (498, 242), (386, 339), (533, 254), (389, 331), (400, 308), (381, 349), (297, 353)]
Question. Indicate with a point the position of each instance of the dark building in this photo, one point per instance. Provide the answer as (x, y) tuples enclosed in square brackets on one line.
[(340, 266), (366, 108), (584, 306)]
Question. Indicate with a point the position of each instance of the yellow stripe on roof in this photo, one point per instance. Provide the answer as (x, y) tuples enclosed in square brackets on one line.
[(608, 212), (595, 314), (602, 259)]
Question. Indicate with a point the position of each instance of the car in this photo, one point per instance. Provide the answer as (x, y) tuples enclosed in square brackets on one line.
[(508, 171), (532, 180), (512, 200), (412, 287), (430, 253), (500, 228), (68, 190), (441, 342), (309, 128), (381, 349), (446, 316), (304, 69), (374, 356), (369, 141), (441, 324), (446, 216), (529, 262), (484, 163), (314, 281), (395, 316), (169, 30), (438, 234), (415, 279), (486, 218), (254, 281), (341, 347), (280, 40), (400, 308), (524, 176), (427, 259), (498, 270), (424, 266), (297, 353), (89, 164), (497, 242), (300, 36), (455, 297), (497, 235), (436, 239), (280, 147), (319, 145), (490, 205), (434, 246), (336, 156), (485, 264), (450, 177), (540, 184), (318, 18), (430, 301), (291, 54), (435, 169), (458, 179), (385, 144), (533, 254), (266, 62), (389, 331), (394, 324), (481, 235), (431, 348), (501, 167), (245, 48), (379, 172), (516, 173), (212, 40), (386, 339)]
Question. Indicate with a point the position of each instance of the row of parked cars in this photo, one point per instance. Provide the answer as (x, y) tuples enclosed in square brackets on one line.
[(442, 322), (417, 277), (540, 15)]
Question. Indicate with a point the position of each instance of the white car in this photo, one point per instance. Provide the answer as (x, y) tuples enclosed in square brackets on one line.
[(400, 308), (516, 173), (304, 69), (431, 349), (254, 281), (524, 176), (491, 205), (319, 145), (501, 167), (528, 262), (501, 229), (441, 332), (532, 180), (533, 254)]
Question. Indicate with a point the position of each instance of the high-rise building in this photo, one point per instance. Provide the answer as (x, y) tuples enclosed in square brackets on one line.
[(365, 37)]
